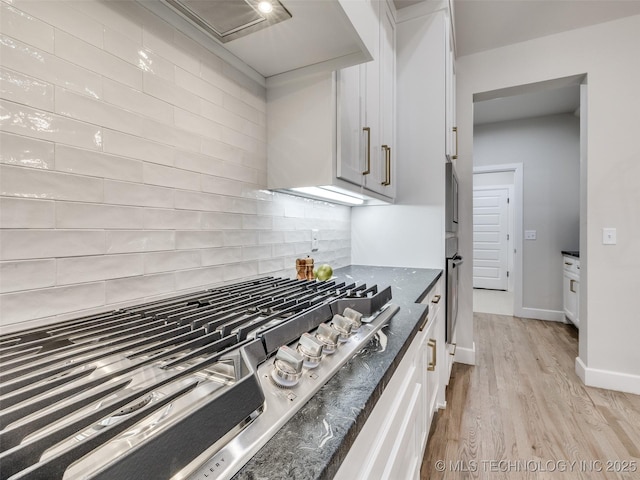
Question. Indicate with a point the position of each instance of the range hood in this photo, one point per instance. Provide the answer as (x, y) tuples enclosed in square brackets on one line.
[(226, 20), (321, 35)]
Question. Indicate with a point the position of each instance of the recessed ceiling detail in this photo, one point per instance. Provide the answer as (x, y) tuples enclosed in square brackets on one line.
[(226, 20)]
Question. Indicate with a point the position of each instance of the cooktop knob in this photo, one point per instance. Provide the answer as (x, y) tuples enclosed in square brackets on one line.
[(354, 316), (343, 326), (328, 337), (310, 348), (287, 367)]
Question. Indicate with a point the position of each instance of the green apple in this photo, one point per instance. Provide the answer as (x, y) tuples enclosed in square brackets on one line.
[(324, 272)]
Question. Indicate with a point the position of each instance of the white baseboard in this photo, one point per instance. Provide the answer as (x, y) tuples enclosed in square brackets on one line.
[(593, 377), (466, 355), (542, 314)]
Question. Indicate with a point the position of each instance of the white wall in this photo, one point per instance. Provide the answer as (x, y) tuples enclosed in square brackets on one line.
[(131, 166), (549, 150), (608, 53)]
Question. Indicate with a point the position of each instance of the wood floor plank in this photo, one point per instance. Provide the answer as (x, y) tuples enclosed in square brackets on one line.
[(522, 413)]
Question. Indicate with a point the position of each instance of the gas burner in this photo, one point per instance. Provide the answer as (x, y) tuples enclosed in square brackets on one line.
[(111, 394)]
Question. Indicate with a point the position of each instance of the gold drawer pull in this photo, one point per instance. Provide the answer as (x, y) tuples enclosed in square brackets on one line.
[(368, 170), (568, 263), (455, 130), (432, 365), (455, 347), (571, 284), (436, 299)]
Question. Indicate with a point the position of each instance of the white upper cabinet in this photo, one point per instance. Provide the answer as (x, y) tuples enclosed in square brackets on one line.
[(337, 131)]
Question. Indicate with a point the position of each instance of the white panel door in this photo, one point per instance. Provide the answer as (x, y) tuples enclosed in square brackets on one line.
[(490, 238)]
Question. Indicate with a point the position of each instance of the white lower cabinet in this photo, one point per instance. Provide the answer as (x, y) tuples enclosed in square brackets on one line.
[(571, 288), (391, 444)]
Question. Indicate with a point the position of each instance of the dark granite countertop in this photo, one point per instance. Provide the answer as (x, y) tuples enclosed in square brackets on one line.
[(571, 253), (313, 444)]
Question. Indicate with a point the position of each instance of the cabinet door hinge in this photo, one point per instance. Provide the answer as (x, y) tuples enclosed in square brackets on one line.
[(507, 273), (507, 236), (508, 199)]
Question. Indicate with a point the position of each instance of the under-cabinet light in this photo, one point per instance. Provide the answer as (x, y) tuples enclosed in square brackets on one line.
[(329, 195)]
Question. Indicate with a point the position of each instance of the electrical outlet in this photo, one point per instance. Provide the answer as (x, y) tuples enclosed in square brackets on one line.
[(530, 234), (609, 236), (314, 239)]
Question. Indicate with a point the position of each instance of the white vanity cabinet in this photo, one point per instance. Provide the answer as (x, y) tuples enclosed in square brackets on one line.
[(337, 130), (393, 440), (571, 288)]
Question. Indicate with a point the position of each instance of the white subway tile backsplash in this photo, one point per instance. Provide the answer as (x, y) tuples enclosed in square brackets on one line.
[(167, 91), (30, 91), (23, 120), (217, 149), (223, 186), (103, 267), (134, 53), (124, 289), (170, 261), (270, 266), (188, 200), (26, 213), (197, 162), (198, 239), (45, 184), (38, 63), (199, 277), (256, 253), (130, 241), (164, 219), (147, 156), (26, 151), (28, 29), (27, 275), (90, 215), (220, 221), (170, 177), (135, 194), (131, 99), (197, 85), (94, 111), (239, 271), (95, 59), (61, 15), (239, 238), (97, 164), (271, 237), (161, 39), (221, 256), (123, 17), (33, 243), (140, 148), (27, 305), (257, 222)]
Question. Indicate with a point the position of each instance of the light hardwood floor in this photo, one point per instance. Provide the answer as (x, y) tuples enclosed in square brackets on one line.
[(522, 413)]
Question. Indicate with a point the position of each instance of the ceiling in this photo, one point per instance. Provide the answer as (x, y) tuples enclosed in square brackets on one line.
[(487, 24), (535, 104)]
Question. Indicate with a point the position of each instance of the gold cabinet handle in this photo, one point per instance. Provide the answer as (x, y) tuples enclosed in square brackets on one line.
[(436, 299), (571, 284), (387, 160), (432, 365), (568, 263), (455, 347), (424, 321), (455, 130), (368, 132)]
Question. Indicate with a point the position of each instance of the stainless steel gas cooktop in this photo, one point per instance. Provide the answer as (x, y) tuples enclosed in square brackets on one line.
[(187, 387)]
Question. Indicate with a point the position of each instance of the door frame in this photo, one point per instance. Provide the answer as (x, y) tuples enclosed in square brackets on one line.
[(510, 230), (518, 179)]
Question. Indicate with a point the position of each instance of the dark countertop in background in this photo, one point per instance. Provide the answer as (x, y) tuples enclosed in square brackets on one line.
[(313, 444), (571, 253)]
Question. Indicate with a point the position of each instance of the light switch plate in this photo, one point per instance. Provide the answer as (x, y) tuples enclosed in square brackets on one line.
[(609, 236), (314, 239), (530, 234)]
